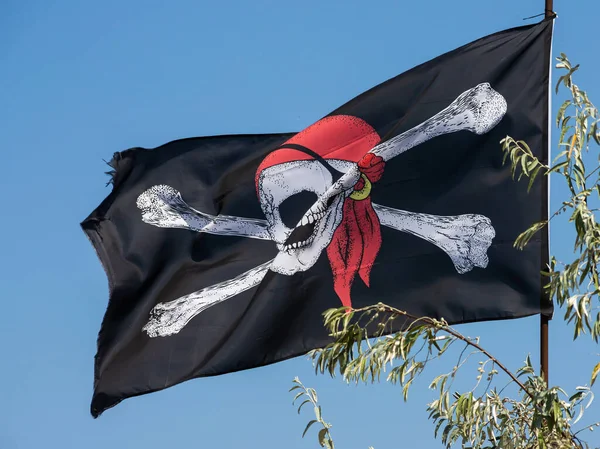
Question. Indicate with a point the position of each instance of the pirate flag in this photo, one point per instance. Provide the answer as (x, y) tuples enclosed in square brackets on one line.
[(223, 252)]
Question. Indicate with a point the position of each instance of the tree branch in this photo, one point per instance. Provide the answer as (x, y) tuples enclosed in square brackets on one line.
[(438, 325)]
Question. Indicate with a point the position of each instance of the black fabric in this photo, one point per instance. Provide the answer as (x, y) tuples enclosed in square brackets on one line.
[(449, 175)]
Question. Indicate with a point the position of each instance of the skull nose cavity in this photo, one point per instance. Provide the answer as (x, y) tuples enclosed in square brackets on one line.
[(293, 208)]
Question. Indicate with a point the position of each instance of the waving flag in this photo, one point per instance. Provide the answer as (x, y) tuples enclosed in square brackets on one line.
[(223, 252)]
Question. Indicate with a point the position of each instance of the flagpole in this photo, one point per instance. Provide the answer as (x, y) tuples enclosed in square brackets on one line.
[(544, 346), (549, 12)]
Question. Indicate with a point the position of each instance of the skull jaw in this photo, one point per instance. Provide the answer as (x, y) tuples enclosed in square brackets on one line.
[(291, 261)]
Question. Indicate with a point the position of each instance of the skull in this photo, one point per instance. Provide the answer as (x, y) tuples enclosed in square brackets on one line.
[(302, 214)]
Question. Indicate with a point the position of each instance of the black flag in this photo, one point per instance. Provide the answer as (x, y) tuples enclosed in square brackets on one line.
[(223, 252)]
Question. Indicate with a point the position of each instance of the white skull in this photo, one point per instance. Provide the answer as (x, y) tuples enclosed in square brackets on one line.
[(302, 216)]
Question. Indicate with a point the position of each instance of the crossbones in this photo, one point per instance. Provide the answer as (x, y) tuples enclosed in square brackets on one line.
[(464, 238)]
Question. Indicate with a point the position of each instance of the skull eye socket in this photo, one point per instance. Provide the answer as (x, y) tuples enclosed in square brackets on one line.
[(293, 208)]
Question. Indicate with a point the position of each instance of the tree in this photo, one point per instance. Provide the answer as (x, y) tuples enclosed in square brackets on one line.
[(536, 415)]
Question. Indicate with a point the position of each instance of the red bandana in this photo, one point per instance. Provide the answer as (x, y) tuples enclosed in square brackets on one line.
[(357, 239)]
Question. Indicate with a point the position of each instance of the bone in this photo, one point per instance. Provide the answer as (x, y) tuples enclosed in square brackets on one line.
[(477, 110), (170, 317), (465, 238), (162, 206)]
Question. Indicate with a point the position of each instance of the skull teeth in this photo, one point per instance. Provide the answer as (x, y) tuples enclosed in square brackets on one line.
[(310, 218), (299, 244)]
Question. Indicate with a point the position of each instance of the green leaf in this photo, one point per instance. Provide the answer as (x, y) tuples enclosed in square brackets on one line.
[(310, 423), (526, 235), (405, 388), (558, 166), (560, 80), (435, 381), (322, 435), (595, 373), (561, 112), (300, 407), (556, 410), (524, 170), (313, 394), (532, 177), (541, 441), (445, 433), (594, 133), (576, 396)]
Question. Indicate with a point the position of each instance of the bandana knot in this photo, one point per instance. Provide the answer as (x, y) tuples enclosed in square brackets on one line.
[(357, 239)]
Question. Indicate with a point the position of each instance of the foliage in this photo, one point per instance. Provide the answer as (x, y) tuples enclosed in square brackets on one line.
[(310, 396), (383, 341), (575, 285)]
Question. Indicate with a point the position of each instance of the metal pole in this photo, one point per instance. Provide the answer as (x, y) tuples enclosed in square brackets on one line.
[(549, 8), (544, 346), (549, 12)]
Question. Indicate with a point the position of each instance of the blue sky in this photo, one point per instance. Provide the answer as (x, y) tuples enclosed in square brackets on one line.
[(81, 80)]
